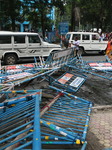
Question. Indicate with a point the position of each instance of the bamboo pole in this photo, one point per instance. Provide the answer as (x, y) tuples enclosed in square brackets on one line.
[(45, 108)]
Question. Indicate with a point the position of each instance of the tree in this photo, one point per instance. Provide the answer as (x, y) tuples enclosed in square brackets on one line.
[(90, 13), (39, 13), (10, 12), (96, 13), (71, 12)]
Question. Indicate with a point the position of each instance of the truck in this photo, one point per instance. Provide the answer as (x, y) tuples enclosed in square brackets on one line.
[(23, 45), (89, 42)]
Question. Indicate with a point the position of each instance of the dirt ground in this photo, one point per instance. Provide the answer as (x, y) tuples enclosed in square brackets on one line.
[(96, 90)]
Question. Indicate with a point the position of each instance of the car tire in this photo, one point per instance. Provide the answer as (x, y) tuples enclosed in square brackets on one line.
[(10, 59)]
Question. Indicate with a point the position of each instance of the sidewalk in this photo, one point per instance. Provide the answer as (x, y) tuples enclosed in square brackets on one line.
[(99, 135)]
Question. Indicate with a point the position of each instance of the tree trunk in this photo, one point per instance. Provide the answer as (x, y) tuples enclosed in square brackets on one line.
[(73, 17), (12, 13), (13, 24)]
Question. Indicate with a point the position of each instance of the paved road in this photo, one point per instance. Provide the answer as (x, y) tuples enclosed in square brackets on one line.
[(94, 57), (87, 57)]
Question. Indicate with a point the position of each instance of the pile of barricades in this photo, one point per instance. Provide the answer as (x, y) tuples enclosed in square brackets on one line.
[(64, 121)]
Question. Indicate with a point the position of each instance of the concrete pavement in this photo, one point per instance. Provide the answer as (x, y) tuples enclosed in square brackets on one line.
[(100, 129)]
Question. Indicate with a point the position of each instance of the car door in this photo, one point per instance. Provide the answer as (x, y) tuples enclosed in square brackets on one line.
[(5, 43), (20, 45), (95, 42), (85, 42), (34, 46)]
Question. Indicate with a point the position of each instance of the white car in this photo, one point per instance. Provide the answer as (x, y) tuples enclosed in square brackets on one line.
[(89, 42), (21, 45)]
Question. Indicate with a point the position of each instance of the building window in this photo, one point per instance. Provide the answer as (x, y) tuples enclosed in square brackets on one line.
[(19, 39), (5, 39)]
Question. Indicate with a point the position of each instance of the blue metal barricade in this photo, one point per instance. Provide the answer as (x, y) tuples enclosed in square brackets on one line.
[(19, 93), (20, 78), (5, 87), (17, 74), (20, 124), (100, 65), (60, 58), (98, 68), (69, 81), (66, 122)]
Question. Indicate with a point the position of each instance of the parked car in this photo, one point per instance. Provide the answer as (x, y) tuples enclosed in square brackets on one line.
[(22, 45), (89, 41)]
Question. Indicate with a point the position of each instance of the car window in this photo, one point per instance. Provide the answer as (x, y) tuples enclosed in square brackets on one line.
[(19, 39), (34, 39), (76, 35), (68, 36), (5, 39), (85, 37), (95, 37)]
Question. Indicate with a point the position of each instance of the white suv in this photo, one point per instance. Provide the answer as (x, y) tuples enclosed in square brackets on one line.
[(89, 42), (21, 45)]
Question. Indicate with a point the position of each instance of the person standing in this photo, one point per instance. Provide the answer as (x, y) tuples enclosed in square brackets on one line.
[(109, 48), (76, 45)]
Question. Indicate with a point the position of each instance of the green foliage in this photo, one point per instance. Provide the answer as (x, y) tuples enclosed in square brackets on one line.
[(10, 13), (93, 13), (38, 11), (81, 14)]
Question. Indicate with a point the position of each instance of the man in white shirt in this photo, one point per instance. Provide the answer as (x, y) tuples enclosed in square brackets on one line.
[(76, 45)]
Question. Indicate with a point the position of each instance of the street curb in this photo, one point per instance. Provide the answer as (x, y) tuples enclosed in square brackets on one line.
[(100, 108)]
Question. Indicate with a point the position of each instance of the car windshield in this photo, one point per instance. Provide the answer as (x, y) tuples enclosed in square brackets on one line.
[(68, 36)]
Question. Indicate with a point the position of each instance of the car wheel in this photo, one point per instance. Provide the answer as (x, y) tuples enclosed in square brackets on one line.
[(10, 59)]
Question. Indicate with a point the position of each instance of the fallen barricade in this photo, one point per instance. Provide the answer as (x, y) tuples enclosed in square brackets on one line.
[(98, 68), (18, 119), (63, 121), (69, 81), (18, 74), (5, 87), (66, 121), (106, 66)]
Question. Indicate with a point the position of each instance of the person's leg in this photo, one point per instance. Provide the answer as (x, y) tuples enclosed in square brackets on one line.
[(76, 52), (110, 55)]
